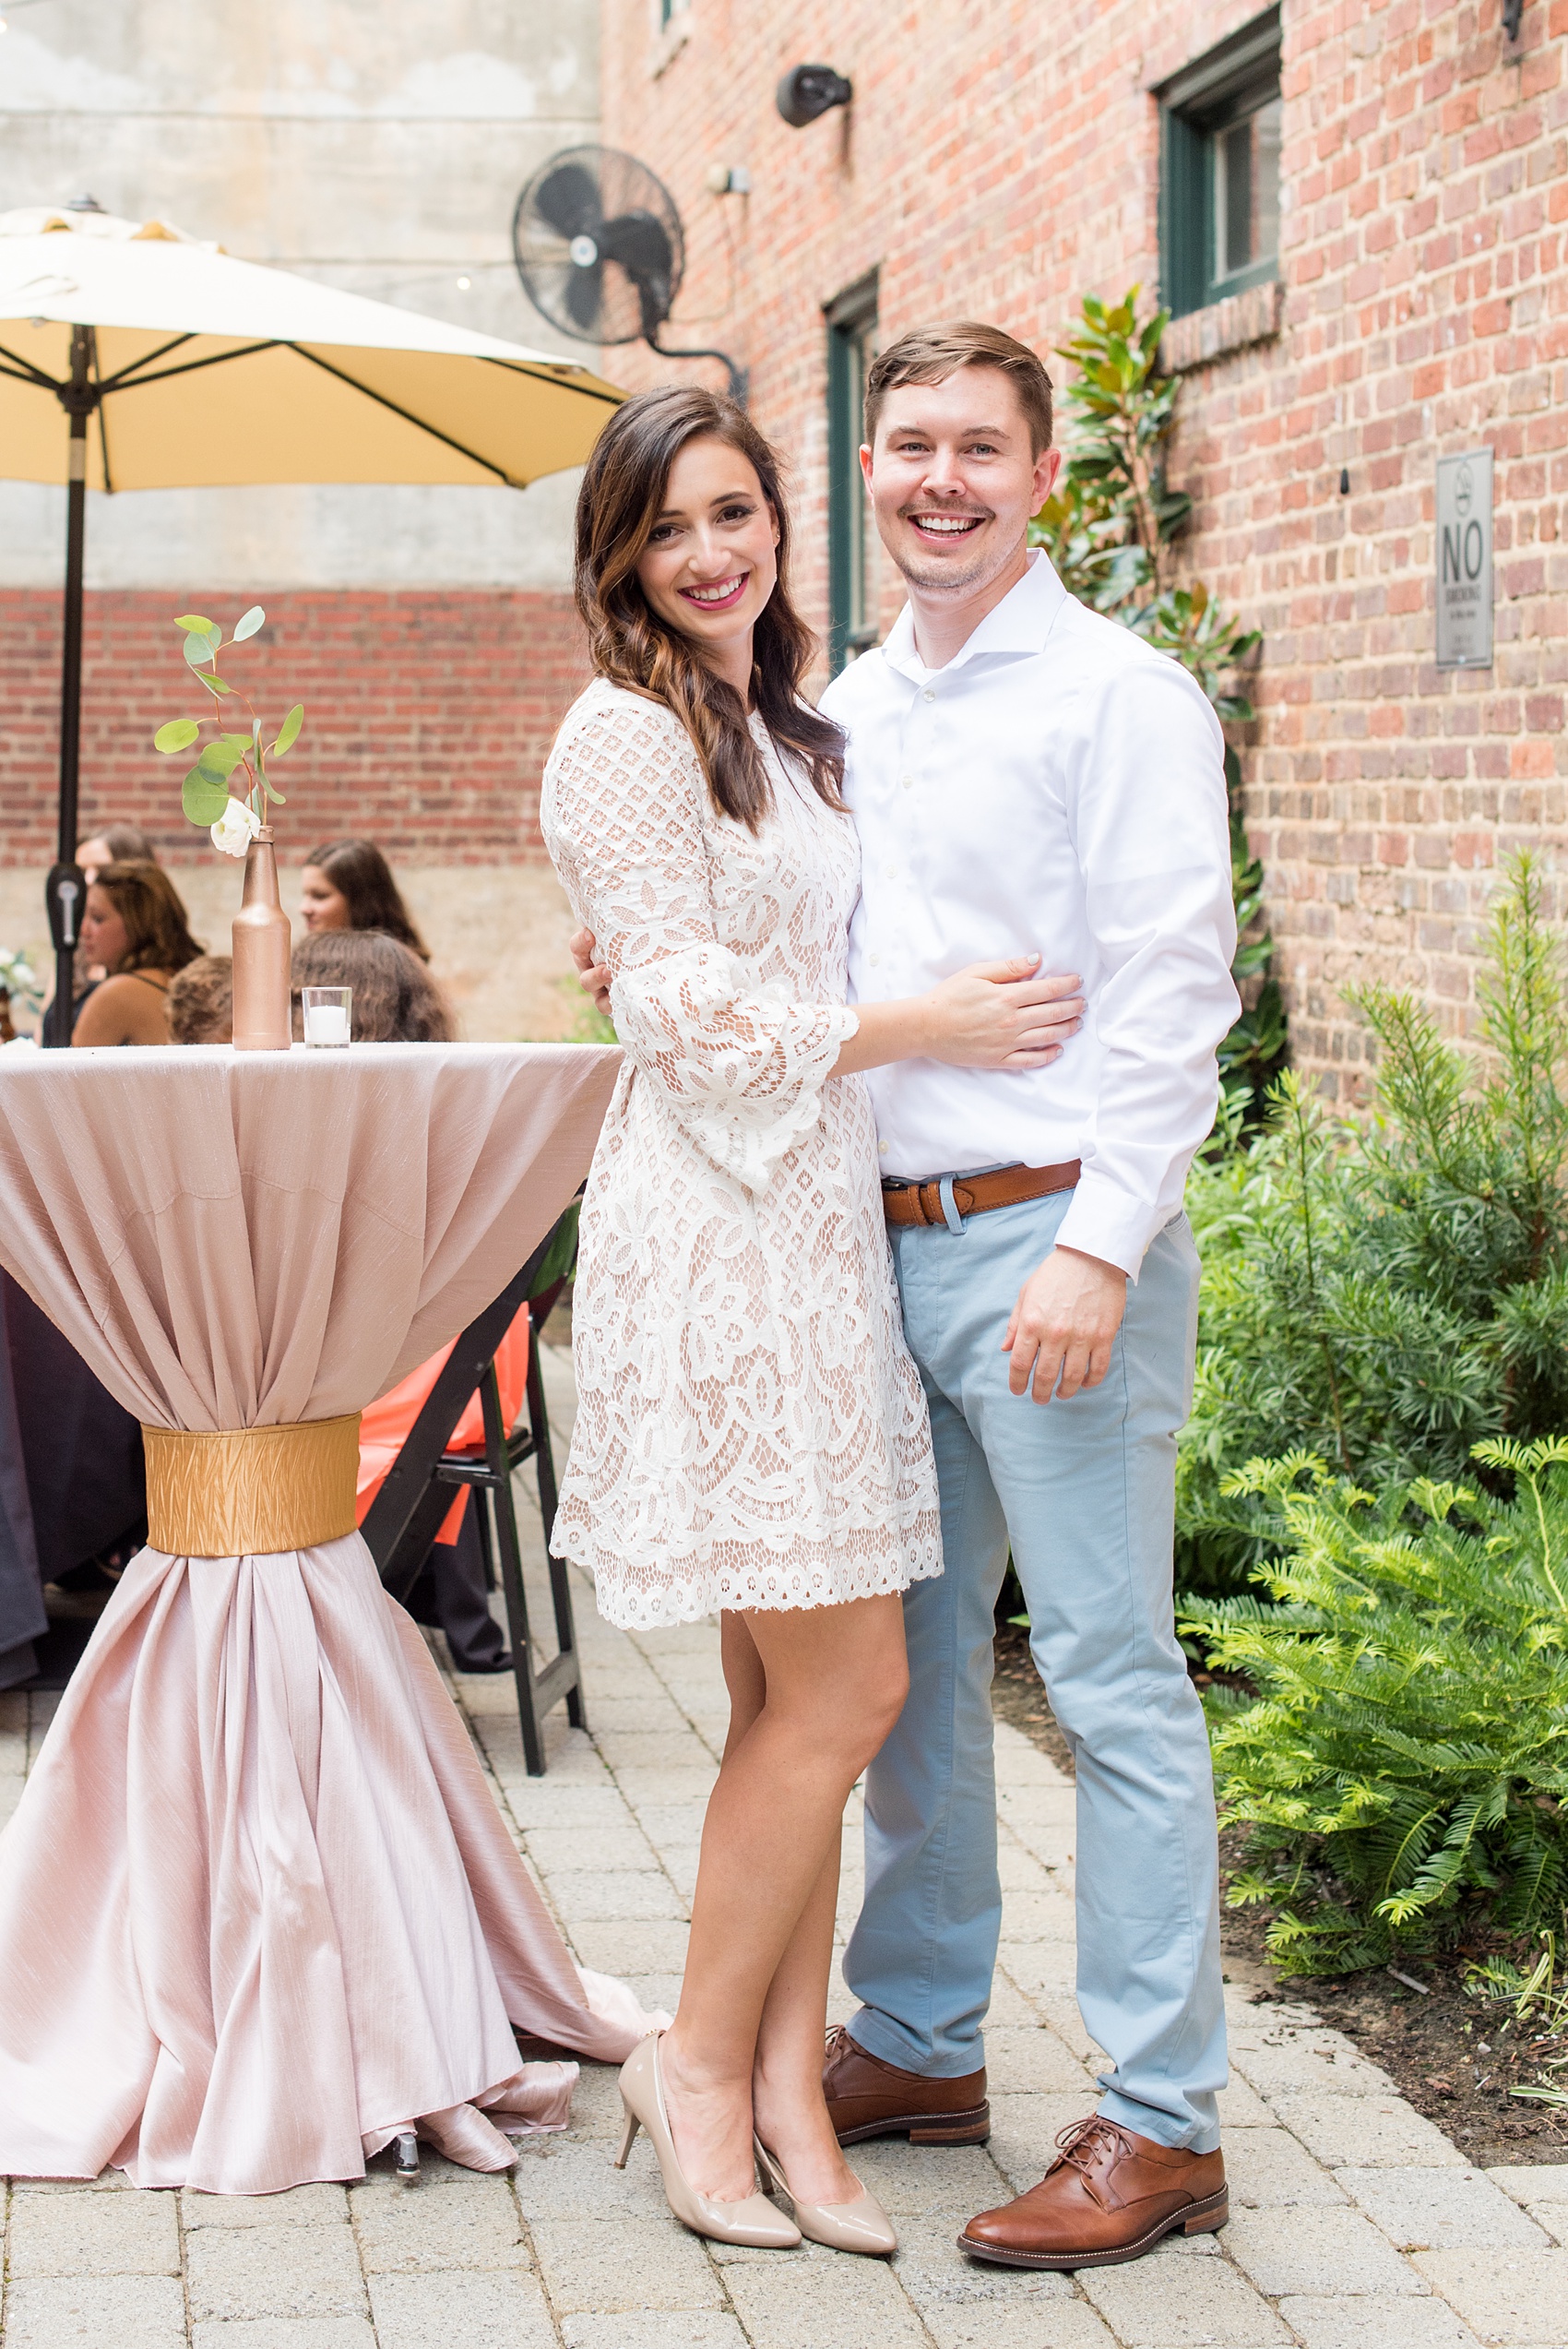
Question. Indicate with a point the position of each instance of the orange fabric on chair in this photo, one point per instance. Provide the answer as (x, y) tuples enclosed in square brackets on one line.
[(385, 1424)]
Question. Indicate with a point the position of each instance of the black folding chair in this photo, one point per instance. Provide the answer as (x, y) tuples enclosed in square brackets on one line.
[(407, 1513)]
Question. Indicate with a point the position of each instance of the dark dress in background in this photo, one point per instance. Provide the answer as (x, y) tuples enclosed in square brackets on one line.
[(72, 1481)]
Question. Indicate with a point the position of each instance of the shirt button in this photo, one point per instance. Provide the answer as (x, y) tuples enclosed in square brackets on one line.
[(892, 872), (882, 1148), (874, 959), (907, 782), (928, 694)]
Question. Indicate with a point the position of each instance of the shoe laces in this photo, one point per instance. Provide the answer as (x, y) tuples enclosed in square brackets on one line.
[(1079, 2144)]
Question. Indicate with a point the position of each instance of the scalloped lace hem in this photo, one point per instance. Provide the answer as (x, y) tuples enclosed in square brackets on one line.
[(629, 1598)]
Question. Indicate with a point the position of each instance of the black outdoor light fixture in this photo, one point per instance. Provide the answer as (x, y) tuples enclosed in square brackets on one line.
[(807, 92), (1513, 11)]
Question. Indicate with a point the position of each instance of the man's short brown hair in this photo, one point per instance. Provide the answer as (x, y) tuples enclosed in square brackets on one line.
[(930, 354)]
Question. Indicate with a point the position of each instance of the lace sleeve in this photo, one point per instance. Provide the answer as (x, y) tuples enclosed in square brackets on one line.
[(742, 1064)]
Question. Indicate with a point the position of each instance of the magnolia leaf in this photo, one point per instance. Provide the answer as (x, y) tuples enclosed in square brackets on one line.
[(192, 621), (288, 731), (248, 623), (202, 799), (178, 735)]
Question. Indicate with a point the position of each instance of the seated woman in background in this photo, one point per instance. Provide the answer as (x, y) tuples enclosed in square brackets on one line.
[(114, 844), (200, 1002), (348, 886), (395, 1000), (135, 926)]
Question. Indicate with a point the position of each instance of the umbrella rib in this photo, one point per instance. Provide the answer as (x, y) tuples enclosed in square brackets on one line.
[(25, 372), (112, 383), (548, 375), (408, 416), (127, 381)]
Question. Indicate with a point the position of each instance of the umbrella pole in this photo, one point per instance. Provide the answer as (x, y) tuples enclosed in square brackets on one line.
[(64, 891)]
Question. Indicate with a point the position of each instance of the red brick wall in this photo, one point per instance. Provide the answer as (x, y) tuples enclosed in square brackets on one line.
[(1000, 159), (428, 715)]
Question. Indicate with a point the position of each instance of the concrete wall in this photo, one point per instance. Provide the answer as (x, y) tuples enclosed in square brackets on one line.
[(1001, 160), (380, 149)]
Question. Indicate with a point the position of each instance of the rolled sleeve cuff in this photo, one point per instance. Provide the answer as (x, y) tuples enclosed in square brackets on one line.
[(1102, 1220)]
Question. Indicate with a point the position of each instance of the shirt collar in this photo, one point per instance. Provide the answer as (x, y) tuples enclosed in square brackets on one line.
[(1020, 623)]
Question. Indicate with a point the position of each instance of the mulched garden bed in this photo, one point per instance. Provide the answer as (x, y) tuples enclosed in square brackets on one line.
[(1446, 2052)]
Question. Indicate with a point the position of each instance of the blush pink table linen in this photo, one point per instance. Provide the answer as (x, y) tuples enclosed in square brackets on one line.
[(258, 1909)]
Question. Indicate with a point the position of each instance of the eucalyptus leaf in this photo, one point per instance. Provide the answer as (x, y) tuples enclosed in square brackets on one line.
[(214, 684), (177, 734), (203, 799), (191, 620), (219, 758), (288, 731), (248, 623), (197, 650), (276, 796)]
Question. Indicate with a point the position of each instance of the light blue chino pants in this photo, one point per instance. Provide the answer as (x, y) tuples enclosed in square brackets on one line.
[(1085, 1488)]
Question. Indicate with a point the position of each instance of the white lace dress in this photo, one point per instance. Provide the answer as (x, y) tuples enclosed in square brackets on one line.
[(751, 1430)]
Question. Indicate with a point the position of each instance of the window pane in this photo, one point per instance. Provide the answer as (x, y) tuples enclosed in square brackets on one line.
[(1233, 208), (1265, 181)]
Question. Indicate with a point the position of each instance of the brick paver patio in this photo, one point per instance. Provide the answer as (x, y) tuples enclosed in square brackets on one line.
[(1355, 2223)]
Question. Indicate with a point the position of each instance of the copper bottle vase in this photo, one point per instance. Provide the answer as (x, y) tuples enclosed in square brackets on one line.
[(263, 945)]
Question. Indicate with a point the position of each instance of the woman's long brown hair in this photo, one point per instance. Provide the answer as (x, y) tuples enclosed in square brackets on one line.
[(622, 496), (361, 875), (147, 901)]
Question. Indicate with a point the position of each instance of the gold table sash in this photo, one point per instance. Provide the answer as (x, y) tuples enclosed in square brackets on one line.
[(248, 1490)]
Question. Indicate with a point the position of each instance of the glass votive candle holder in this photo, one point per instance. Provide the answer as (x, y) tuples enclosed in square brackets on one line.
[(326, 1013)]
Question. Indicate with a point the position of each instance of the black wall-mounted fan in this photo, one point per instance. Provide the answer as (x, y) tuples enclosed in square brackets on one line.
[(601, 253)]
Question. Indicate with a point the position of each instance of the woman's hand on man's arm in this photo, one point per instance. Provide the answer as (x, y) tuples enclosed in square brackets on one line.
[(990, 1015)]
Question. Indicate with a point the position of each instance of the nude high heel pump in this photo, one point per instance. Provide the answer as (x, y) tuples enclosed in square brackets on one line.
[(753, 2222), (860, 2225)]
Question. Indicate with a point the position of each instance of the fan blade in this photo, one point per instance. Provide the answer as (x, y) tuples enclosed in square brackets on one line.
[(567, 200), (585, 295), (639, 243)]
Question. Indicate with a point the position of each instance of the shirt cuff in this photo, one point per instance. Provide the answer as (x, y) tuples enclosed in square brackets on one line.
[(1103, 1221)]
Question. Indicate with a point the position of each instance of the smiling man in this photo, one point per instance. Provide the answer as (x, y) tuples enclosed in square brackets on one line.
[(1027, 775)]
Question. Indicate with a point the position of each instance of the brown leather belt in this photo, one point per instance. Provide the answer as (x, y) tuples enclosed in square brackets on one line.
[(973, 1194)]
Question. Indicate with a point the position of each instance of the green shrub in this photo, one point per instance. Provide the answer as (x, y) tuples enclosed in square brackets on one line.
[(1111, 531), (1404, 1769), (1387, 1295)]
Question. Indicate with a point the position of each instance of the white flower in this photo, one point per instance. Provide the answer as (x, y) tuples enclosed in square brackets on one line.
[(235, 829)]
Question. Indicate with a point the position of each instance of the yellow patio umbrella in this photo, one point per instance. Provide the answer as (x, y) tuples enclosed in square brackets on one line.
[(133, 357)]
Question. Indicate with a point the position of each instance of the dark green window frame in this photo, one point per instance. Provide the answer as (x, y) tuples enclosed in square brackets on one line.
[(852, 343), (1196, 107)]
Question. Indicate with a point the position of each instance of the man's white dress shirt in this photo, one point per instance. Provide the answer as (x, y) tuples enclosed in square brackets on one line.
[(1057, 786)]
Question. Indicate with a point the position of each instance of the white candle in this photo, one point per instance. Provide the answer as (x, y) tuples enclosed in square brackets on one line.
[(326, 1023)]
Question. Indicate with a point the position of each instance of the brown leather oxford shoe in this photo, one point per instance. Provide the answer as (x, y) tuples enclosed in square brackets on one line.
[(869, 2098), (1109, 2196)]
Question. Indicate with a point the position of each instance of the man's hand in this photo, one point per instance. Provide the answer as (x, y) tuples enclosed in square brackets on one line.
[(1063, 1325), (593, 976)]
